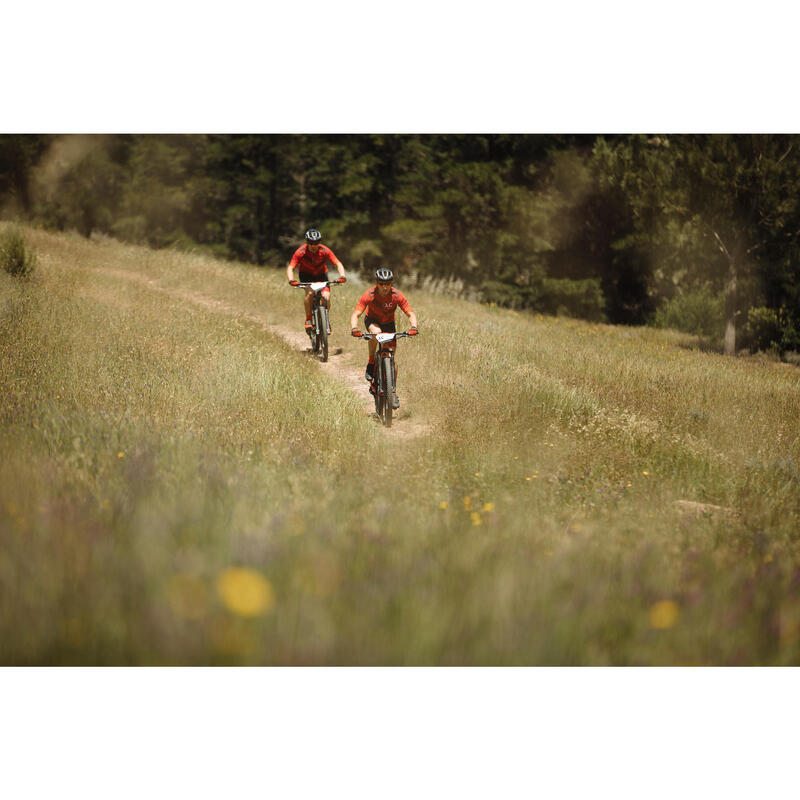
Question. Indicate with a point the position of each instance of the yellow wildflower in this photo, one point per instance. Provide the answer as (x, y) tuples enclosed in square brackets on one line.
[(664, 614), (245, 592)]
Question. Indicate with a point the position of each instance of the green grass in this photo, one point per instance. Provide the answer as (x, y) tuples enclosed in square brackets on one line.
[(179, 486)]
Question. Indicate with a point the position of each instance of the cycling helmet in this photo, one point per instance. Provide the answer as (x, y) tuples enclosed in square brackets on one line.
[(313, 236), (384, 275)]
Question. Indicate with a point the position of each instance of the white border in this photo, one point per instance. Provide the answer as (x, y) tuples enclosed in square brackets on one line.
[(433, 66), (398, 733)]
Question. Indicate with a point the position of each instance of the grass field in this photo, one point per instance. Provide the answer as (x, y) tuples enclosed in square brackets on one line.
[(178, 485)]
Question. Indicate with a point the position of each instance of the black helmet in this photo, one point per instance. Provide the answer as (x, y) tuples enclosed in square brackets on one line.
[(313, 236), (384, 275)]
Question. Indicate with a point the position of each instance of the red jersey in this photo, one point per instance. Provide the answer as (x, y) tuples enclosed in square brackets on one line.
[(382, 309), (313, 263)]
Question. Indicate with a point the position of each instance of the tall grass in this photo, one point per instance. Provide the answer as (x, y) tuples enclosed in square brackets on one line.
[(15, 257), (177, 485)]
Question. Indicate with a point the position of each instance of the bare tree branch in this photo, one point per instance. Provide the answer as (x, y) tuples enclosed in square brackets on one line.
[(721, 244), (789, 150)]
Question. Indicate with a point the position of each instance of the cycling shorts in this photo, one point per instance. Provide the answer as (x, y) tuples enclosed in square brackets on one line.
[(386, 327), (310, 277)]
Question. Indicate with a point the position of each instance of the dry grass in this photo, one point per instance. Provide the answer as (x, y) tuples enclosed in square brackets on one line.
[(179, 486)]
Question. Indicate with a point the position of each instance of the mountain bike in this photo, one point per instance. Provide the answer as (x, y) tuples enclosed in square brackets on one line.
[(319, 318), (384, 377)]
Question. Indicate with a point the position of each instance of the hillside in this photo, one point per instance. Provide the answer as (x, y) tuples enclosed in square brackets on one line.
[(180, 483)]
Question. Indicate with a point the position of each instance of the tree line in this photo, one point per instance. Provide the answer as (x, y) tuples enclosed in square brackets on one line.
[(699, 232)]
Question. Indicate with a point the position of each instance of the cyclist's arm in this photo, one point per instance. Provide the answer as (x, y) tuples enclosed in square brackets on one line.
[(294, 263), (339, 267), (360, 308), (405, 307), (354, 318)]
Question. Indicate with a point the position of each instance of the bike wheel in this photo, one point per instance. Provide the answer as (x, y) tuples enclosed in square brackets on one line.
[(323, 333), (314, 332), (376, 386), (388, 384)]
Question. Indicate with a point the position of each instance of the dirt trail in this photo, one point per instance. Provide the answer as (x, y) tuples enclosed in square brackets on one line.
[(347, 367)]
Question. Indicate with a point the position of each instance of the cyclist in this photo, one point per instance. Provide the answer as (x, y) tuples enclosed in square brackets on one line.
[(311, 260), (380, 303)]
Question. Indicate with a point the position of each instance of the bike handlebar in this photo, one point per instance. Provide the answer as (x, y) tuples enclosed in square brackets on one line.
[(300, 285), (396, 335)]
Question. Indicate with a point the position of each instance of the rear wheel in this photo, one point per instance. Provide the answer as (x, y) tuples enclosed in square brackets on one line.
[(323, 332)]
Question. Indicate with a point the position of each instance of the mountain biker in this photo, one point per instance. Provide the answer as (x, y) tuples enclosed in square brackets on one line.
[(380, 303), (311, 259)]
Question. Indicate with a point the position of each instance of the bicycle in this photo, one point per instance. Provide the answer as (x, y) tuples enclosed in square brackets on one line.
[(383, 381), (319, 317)]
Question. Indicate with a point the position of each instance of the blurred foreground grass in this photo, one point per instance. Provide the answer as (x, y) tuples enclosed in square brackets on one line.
[(179, 486)]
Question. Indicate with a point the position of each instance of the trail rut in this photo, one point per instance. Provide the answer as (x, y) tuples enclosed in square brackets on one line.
[(344, 365)]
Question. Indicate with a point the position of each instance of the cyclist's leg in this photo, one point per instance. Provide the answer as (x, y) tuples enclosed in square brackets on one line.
[(372, 327), (308, 300)]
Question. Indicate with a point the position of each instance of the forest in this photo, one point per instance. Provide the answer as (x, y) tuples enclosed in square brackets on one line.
[(697, 232)]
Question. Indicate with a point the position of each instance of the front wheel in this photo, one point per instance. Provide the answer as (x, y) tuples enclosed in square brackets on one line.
[(388, 385), (322, 316), (377, 382)]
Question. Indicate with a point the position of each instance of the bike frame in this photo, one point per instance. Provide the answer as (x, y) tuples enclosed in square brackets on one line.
[(383, 381), (319, 316)]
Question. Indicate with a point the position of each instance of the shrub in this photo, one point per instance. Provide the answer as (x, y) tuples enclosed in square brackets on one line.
[(772, 329), (582, 299), (699, 311), (503, 294), (574, 298), (15, 257), (763, 327)]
